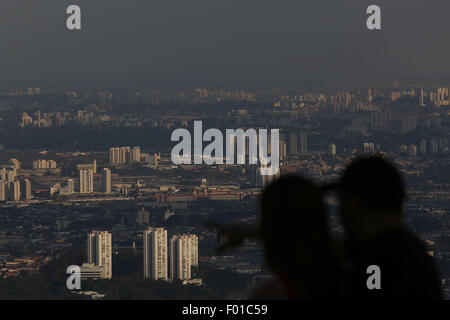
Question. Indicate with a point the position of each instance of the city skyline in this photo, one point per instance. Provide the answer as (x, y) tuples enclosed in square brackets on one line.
[(102, 161)]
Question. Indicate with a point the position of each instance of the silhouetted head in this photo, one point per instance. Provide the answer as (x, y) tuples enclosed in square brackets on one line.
[(372, 195), (293, 225)]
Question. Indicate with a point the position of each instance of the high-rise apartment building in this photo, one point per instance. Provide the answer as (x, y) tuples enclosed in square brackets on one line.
[(114, 155), (99, 251), (70, 186), (86, 181), (13, 191), (3, 191), (136, 154), (155, 254), (124, 155), (183, 256)]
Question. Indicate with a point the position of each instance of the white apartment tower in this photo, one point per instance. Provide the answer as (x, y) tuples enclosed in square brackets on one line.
[(155, 254), (86, 181), (124, 154), (13, 191), (114, 155), (99, 251), (2, 191), (136, 154), (183, 256), (70, 186)]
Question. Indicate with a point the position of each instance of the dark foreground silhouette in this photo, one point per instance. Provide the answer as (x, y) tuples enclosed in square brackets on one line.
[(296, 241), (378, 259), (372, 195)]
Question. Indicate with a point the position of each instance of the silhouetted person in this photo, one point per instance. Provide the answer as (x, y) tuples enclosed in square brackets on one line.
[(297, 244), (372, 196)]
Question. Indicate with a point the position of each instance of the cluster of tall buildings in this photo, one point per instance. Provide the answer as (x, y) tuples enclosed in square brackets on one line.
[(37, 121), (11, 187), (344, 102), (44, 164), (169, 259), (441, 97), (15, 190), (87, 180), (164, 259), (298, 143), (433, 145), (368, 147), (122, 155)]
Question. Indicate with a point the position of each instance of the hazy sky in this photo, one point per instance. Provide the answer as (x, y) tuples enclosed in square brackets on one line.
[(225, 43)]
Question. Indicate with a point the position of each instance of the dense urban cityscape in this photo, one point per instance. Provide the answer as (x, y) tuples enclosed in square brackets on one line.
[(88, 175)]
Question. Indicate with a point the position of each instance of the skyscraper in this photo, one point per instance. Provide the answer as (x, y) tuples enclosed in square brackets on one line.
[(70, 186), (106, 180), (183, 256), (136, 154), (114, 155), (86, 181), (124, 154), (13, 191), (99, 251), (2, 191), (194, 250), (155, 254)]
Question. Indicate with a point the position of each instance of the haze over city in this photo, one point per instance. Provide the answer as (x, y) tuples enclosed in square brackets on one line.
[(110, 187), (200, 43)]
